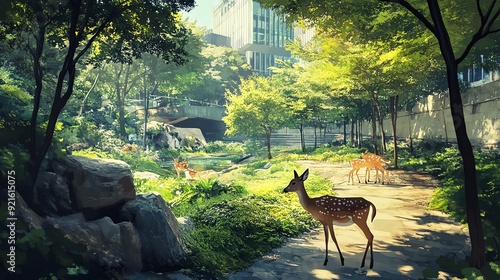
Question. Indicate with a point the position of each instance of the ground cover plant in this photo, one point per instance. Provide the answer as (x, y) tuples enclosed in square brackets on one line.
[(444, 163), (238, 217)]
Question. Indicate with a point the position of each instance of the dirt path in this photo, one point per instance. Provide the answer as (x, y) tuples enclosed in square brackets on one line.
[(408, 236)]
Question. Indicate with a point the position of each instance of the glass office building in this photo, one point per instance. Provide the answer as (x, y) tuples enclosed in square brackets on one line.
[(257, 33)]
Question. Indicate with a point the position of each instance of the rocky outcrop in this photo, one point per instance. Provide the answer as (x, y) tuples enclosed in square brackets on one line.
[(110, 246), (142, 235), (96, 185), (169, 136), (162, 246), (51, 195)]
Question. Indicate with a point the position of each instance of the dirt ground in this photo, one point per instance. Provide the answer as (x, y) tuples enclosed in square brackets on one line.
[(409, 237)]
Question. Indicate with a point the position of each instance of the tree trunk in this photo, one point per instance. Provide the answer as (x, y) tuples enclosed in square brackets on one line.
[(146, 113), (394, 118), (476, 233), (360, 133), (121, 118), (268, 142), (87, 94), (352, 132), (302, 138), (374, 125), (444, 122), (315, 137), (412, 152), (345, 131), (383, 147)]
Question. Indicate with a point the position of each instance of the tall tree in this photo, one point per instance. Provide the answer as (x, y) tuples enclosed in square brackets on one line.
[(457, 31), (111, 31), (255, 109)]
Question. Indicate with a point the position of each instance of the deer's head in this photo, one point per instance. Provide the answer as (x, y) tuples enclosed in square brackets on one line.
[(297, 182)]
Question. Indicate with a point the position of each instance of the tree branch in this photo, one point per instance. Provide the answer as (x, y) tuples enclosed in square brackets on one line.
[(483, 31), (415, 12)]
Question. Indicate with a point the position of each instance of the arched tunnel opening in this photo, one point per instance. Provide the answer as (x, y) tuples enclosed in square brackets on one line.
[(212, 130)]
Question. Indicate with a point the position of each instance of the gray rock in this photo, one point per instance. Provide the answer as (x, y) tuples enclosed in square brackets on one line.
[(109, 246), (24, 213), (131, 244), (161, 244), (51, 195), (96, 185)]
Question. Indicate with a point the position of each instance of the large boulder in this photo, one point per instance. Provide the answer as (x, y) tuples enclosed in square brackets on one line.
[(25, 214), (161, 244), (109, 246), (96, 185), (51, 195)]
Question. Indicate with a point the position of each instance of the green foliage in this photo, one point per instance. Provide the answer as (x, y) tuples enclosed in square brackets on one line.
[(44, 253), (446, 164), (223, 147), (255, 109), (138, 161), (230, 234), (462, 269), (200, 190)]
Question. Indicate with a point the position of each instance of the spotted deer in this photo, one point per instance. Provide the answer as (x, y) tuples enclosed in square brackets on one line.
[(180, 166), (331, 210), (356, 165), (375, 161)]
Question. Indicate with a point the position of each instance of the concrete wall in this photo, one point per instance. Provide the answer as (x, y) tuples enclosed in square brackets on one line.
[(431, 117)]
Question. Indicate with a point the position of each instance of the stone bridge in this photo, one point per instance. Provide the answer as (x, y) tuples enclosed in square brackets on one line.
[(185, 113)]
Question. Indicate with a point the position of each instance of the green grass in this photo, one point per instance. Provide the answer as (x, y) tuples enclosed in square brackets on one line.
[(240, 216)]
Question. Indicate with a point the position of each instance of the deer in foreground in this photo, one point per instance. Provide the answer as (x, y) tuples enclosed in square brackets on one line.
[(375, 161), (330, 210)]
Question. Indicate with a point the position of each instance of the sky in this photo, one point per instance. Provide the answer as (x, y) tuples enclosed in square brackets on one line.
[(203, 12)]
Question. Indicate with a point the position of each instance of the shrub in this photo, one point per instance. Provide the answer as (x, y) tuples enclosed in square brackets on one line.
[(230, 234)]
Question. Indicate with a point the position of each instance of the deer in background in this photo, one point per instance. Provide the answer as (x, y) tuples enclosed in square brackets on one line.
[(179, 166), (375, 161), (129, 148), (356, 164), (190, 173), (330, 210)]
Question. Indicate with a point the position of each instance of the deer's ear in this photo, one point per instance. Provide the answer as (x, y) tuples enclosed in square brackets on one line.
[(304, 175), (295, 174)]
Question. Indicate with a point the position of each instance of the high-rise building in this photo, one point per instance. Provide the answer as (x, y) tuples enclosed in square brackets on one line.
[(258, 33)]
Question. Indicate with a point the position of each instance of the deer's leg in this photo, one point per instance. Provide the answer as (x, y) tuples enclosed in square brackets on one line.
[(351, 173), (325, 227), (357, 175), (332, 233), (383, 176), (366, 230), (367, 175)]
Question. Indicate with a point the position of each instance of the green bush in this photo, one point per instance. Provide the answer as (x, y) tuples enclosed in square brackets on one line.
[(447, 166), (229, 235)]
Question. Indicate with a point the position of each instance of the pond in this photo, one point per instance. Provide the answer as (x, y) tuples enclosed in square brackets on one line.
[(200, 163)]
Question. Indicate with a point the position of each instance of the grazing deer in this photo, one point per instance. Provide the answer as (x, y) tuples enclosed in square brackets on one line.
[(356, 164), (129, 148), (375, 161), (330, 210), (179, 166), (192, 174)]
